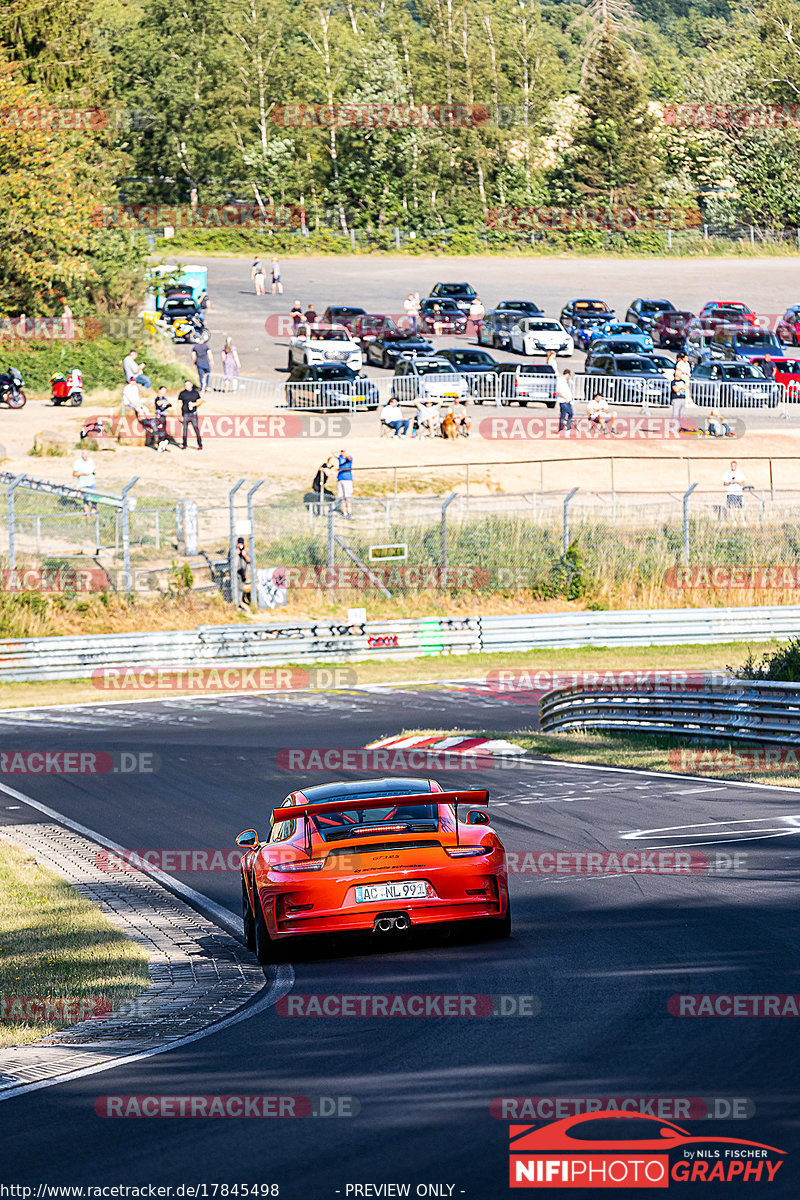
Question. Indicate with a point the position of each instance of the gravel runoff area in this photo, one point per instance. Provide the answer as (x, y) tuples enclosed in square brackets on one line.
[(200, 974)]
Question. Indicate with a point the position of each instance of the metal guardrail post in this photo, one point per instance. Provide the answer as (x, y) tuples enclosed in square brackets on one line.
[(12, 552), (443, 551), (253, 578), (234, 589), (331, 546), (126, 535), (687, 495), (565, 539)]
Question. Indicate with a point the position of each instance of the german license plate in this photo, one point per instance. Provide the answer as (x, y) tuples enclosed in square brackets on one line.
[(403, 889)]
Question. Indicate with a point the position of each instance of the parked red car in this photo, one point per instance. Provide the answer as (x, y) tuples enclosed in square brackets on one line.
[(788, 327)]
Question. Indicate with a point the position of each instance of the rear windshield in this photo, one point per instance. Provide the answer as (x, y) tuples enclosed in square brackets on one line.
[(456, 289), (435, 368), (757, 339), (741, 371), (334, 372), (470, 357), (637, 366), (536, 369), (651, 306)]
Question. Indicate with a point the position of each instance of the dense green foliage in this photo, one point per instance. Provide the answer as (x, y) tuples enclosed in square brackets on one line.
[(478, 107)]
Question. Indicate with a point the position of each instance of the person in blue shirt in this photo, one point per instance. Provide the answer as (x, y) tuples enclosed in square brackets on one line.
[(344, 482)]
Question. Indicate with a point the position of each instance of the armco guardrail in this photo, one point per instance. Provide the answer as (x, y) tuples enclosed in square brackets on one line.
[(306, 642), (739, 710)]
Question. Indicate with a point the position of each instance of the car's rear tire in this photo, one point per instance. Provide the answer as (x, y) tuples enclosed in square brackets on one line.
[(248, 922), (498, 928)]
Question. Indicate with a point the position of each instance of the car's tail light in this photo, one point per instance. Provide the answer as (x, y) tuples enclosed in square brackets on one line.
[(467, 851), (314, 864)]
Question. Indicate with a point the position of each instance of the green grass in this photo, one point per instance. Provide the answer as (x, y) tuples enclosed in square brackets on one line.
[(55, 943), (637, 751), (429, 669)]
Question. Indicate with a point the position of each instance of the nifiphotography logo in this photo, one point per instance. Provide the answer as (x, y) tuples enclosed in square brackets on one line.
[(613, 1149)]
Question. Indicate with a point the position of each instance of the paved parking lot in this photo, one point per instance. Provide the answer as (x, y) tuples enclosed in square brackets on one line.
[(381, 283)]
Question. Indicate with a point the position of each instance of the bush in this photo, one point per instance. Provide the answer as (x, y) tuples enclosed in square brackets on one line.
[(99, 359), (777, 666)]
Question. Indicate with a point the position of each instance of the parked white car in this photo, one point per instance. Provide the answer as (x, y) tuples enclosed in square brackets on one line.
[(313, 344), (537, 335)]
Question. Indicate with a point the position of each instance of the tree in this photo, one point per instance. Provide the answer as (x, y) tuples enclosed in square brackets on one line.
[(45, 211), (613, 156)]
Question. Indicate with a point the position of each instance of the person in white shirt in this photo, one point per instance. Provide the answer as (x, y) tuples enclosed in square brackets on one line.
[(476, 313), (131, 401), (599, 414), (134, 369), (411, 307), (392, 415), (84, 476), (565, 409), (683, 371), (733, 482)]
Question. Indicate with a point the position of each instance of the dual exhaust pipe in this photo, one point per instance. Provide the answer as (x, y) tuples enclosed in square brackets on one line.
[(386, 922)]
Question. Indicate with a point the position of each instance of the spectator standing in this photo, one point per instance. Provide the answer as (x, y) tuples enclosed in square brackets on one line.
[(683, 371), (768, 367), (411, 308), (230, 366), (135, 370), (162, 405), (344, 482), (190, 400), (392, 415), (83, 473), (276, 277), (202, 302), (733, 482), (322, 478), (565, 409), (311, 315), (203, 361), (257, 276), (297, 315), (476, 313), (243, 562)]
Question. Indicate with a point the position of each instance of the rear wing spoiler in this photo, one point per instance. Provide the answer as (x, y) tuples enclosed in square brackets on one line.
[(307, 811)]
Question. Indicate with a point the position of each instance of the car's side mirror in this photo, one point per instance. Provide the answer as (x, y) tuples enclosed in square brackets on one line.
[(248, 839), (476, 817)]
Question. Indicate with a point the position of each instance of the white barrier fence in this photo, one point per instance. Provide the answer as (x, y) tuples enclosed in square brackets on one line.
[(235, 646), (502, 388)]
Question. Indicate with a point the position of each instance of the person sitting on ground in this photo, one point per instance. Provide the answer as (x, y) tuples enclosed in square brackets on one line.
[(599, 414), (392, 415), (715, 426)]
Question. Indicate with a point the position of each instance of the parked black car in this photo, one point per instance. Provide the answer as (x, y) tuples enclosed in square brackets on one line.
[(388, 349), (495, 328), (443, 314), (328, 385)]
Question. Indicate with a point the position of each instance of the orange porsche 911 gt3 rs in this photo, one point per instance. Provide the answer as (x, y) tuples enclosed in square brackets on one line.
[(383, 855)]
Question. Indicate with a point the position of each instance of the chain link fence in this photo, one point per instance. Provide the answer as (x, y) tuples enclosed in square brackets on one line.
[(571, 543)]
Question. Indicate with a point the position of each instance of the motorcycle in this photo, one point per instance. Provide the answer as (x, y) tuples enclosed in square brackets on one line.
[(190, 329), (67, 389), (11, 393)]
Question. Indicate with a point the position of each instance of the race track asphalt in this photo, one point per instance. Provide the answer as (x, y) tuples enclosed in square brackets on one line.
[(602, 955)]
